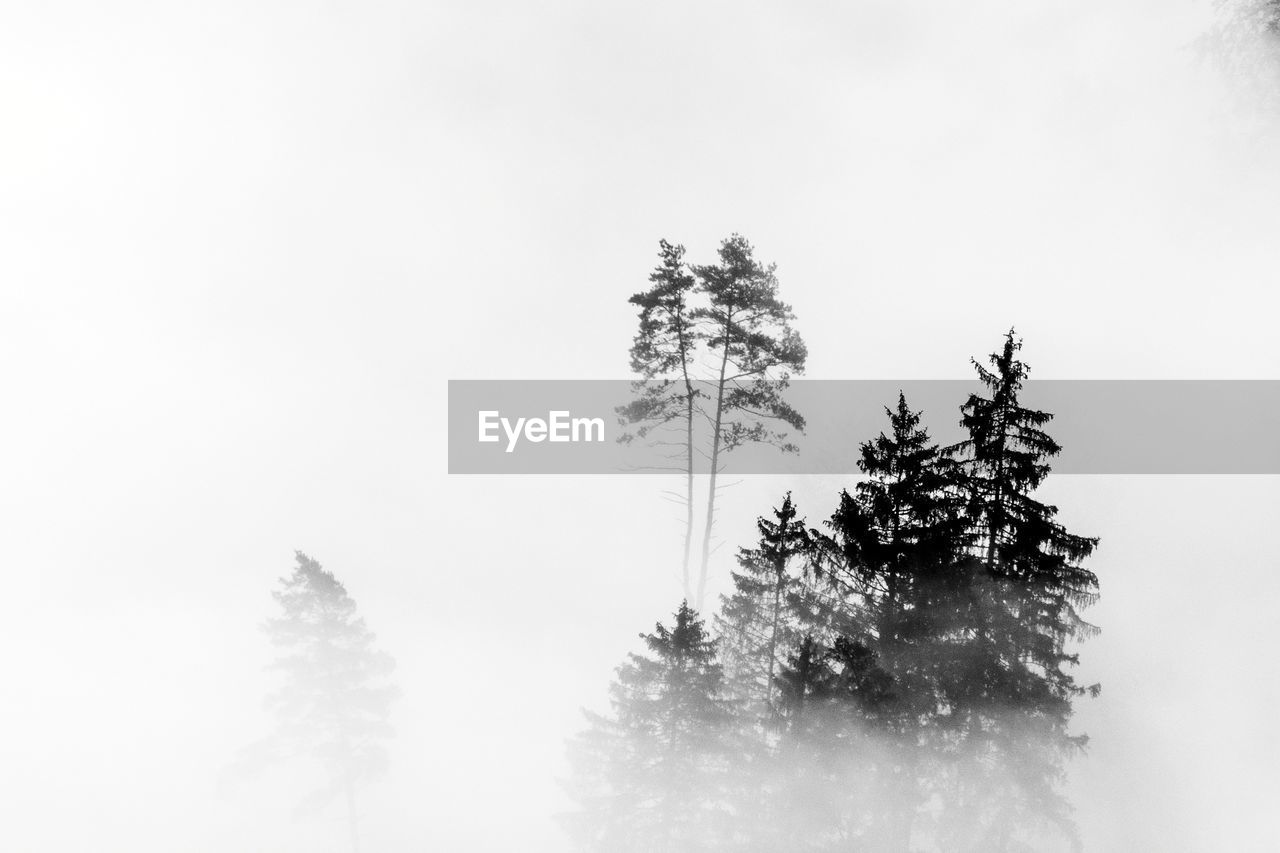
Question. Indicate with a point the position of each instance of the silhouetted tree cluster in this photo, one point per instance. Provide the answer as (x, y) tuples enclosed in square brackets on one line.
[(715, 350), (895, 680)]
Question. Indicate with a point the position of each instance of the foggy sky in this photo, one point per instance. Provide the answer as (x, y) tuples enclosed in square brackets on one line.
[(245, 245)]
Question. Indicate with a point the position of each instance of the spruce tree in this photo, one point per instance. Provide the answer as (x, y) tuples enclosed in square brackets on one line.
[(1007, 458), (663, 353), (906, 534), (778, 614), (335, 699), (912, 525), (653, 775), (893, 545), (762, 621), (1012, 699)]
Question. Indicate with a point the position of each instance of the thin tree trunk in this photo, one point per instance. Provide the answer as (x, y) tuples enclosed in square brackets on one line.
[(992, 528), (773, 644), (900, 830), (688, 496), (715, 461), (349, 790), (685, 345), (997, 496), (901, 807)]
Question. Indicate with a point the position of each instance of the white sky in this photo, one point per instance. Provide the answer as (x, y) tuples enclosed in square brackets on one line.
[(245, 244)]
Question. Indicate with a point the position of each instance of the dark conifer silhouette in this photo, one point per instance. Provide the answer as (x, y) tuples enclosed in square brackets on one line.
[(1007, 458), (910, 524), (896, 543), (1011, 702), (770, 609), (335, 700)]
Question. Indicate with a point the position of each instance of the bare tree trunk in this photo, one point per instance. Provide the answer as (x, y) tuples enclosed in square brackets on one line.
[(688, 493), (689, 395), (349, 790), (773, 644), (997, 496), (715, 463)]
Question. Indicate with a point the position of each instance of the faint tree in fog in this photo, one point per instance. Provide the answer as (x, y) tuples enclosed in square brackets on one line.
[(653, 775), (750, 337), (335, 700), (1243, 43), (829, 767), (663, 353), (804, 800)]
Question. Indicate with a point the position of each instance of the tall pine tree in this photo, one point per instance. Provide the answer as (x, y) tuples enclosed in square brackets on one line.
[(756, 350), (663, 353)]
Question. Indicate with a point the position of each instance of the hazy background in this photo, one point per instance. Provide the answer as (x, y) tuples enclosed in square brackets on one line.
[(245, 244)]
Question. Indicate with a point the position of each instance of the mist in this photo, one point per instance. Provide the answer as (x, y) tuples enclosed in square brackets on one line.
[(246, 244)]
